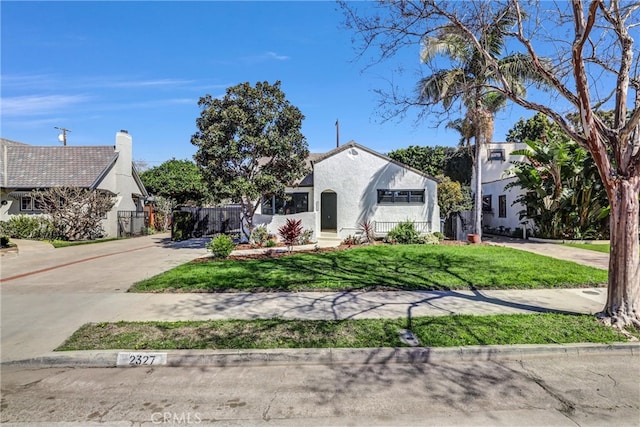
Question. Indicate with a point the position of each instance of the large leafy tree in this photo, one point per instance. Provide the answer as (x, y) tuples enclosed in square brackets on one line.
[(249, 145), (562, 190), (594, 67), (180, 181), (452, 162), (430, 160)]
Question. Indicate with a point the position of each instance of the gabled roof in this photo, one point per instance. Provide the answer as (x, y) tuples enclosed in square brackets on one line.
[(353, 144), (27, 166)]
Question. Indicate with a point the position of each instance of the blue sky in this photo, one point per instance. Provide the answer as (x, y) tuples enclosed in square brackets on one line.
[(98, 67)]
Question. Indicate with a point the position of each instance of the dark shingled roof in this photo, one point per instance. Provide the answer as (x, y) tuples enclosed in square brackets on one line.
[(27, 166)]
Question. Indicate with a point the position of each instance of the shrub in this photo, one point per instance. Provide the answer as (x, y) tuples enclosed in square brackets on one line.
[(259, 235), (351, 240), (290, 232), (439, 235), (29, 227), (367, 231), (221, 246), (430, 239), (182, 225), (4, 241), (404, 233), (305, 237), (270, 243)]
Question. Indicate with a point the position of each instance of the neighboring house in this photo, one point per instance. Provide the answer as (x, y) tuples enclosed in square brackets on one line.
[(352, 184), (25, 168), (499, 212)]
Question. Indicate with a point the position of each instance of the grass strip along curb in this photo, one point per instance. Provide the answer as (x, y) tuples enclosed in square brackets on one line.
[(604, 248), (379, 267), (436, 331)]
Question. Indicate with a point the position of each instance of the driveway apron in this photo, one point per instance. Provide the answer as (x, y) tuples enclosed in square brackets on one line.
[(48, 293)]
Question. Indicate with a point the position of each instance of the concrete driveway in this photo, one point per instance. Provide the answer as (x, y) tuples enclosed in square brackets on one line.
[(48, 293), (102, 267)]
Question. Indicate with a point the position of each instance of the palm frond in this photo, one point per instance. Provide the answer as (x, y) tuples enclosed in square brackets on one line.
[(443, 86)]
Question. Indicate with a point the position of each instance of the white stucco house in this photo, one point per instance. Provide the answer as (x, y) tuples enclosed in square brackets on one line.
[(500, 213), (352, 184), (25, 168)]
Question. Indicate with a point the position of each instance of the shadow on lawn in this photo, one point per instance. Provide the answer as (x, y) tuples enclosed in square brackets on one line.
[(348, 270)]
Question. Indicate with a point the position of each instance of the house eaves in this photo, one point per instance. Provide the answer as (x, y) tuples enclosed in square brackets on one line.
[(136, 177)]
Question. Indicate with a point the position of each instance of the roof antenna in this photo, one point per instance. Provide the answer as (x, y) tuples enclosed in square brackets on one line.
[(337, 133), (63, 136)]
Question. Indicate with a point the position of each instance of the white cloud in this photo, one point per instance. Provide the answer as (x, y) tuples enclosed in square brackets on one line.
[(26, 81), (273, 55), (264, 57), (38, 104), (144, 83)]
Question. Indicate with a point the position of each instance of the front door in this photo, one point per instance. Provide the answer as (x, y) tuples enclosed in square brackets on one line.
[(328, 212)]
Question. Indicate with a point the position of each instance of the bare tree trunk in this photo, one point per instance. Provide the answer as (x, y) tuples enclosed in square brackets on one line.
[(623, 297)]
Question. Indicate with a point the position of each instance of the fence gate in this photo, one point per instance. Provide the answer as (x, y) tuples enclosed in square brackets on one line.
[(132, 223), (197, 222)]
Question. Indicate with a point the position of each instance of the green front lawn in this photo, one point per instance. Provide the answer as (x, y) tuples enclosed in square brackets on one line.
[(437, 331), (381, 267)]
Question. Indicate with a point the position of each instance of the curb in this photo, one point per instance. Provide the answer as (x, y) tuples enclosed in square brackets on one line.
[(328, 356)]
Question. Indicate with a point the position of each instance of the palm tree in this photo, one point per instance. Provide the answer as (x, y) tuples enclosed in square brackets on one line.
[(468, 81)]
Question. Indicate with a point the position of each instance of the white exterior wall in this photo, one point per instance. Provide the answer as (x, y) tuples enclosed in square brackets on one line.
[(273, 222), (355, 175), (512, 218), (120, 181), (495, 177)]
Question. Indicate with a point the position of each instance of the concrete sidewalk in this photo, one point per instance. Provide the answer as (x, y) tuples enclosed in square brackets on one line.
[(35, 324)]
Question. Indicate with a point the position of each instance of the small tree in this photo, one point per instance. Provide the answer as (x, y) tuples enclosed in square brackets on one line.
[(249, 145), (452, 197), (77, 213), (177, 180)]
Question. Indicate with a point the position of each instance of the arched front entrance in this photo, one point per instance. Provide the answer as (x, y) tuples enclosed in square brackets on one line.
[(329, 211)]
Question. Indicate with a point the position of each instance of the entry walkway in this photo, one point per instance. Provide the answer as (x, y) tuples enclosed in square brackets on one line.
[(568, 253)]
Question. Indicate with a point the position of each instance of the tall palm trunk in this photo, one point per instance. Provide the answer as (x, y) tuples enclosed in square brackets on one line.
[(477, 219)]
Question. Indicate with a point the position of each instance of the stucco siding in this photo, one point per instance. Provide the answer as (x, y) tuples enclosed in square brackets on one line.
[(274, 222), (355, 175), (495, 176), (511, 219)]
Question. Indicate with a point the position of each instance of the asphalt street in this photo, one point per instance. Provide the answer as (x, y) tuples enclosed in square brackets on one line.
[(596, 390)]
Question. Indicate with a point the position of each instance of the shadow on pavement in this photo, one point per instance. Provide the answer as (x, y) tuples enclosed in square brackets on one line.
[(193, 243)]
